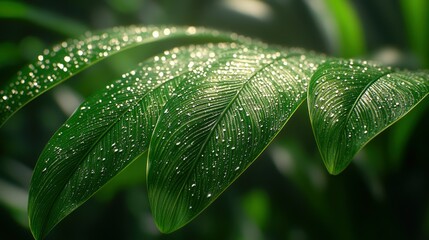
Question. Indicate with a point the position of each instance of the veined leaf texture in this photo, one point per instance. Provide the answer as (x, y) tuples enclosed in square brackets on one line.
[(204, 107)]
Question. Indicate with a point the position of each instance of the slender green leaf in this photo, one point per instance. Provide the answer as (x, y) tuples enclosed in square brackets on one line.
[(349, 27), (105, 135), (68, 58), (221, 119), (350, 102), (21, 11), (416, 17), (340, 25)]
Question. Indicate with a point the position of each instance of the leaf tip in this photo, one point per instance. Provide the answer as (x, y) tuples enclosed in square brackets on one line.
[(334, 169), (169, 220), (36, 234), (166, 228), (334, 172)]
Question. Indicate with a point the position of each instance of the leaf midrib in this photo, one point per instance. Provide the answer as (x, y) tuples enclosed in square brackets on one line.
[(136, 103), (216, 38), (364, 90), (223, 114)]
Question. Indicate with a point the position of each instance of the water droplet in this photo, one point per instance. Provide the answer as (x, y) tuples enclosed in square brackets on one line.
[(209, 195), (191, 30), (155, 34)]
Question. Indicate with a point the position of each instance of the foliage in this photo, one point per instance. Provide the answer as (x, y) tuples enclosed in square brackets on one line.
[(286, 193), (203, 112)]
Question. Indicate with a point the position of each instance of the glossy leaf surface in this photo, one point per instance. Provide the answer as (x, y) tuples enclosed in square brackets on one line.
[(350, 102), (68, 58), (203, 112), (220, 120), (105, 135)]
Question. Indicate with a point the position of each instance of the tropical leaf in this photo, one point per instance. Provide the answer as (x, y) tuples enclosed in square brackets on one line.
[(203, 112), (105, 135), (114, 127), (350, 102), (69, 58), (217, 124)]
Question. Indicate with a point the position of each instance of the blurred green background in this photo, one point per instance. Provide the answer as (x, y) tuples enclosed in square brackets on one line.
[(287, 193)]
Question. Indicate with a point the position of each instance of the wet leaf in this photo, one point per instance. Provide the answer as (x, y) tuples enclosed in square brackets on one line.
[(68, 58), (203, 112), (105, 134), (220, 120), (350, 102)]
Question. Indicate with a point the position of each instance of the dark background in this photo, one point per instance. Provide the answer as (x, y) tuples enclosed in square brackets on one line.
[(287, 193)]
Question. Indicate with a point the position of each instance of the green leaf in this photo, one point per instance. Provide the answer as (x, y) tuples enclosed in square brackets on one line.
[(415, 17), (220, 120), (339, 23), (349, 28), (68, 58), (104, 135), (203, 112), (350, 102), (20, 11)]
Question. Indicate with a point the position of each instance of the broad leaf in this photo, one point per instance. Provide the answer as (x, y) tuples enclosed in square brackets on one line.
[(221, 118), (106, 134), (204, 112), (350, 102), (68, 58)]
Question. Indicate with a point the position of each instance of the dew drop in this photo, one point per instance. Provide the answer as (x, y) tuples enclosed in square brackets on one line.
[(155, 34), (191, 30), (167, 31)]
